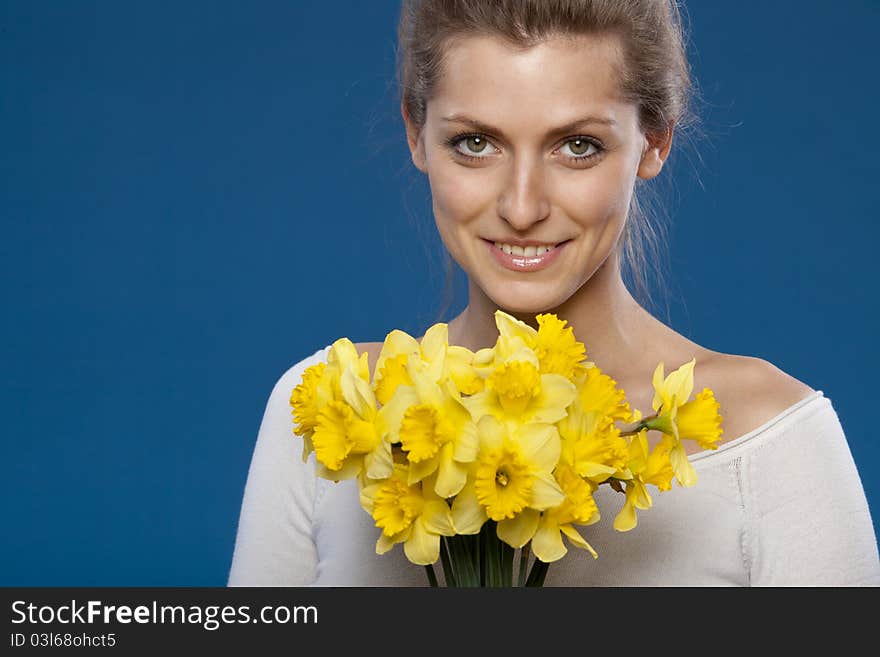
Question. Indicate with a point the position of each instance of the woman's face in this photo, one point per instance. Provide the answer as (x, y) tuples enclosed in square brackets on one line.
[(509, 160)]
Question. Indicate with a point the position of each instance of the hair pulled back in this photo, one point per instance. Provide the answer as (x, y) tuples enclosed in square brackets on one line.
[(655, 75)]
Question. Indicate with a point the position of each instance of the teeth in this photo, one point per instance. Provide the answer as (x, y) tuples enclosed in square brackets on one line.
[(524, 251)]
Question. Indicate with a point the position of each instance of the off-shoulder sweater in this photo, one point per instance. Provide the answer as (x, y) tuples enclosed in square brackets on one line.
[(782, 505)]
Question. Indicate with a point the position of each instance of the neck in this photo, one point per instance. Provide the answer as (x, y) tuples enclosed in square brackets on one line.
[(615, 329)]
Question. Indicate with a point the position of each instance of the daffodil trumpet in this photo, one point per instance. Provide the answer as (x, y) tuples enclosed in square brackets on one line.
[(466, 458)]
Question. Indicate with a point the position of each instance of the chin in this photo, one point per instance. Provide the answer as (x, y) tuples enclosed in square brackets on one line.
[(532, 301)]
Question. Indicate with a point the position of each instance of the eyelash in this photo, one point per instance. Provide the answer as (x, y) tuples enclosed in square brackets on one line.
[(453, 143)]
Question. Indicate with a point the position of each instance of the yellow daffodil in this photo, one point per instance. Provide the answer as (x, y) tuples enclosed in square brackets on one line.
[(653, 468), (680, 419), (578, 507), (392, 365), (434, 430), (557, 349), (305, 402), (517, 393), (598, 394), (320, 385), (699, 420), (464, 369), (350, 436), (442, 440), (591, 442), (410, 514), (511, 481), (437, 359)]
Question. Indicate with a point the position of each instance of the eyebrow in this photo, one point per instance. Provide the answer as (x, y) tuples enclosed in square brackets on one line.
[(568, 127)]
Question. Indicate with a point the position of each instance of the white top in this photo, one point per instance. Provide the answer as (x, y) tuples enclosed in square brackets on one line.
[(782, 505)]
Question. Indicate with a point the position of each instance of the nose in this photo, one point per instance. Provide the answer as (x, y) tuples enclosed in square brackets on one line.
[(523, 201)]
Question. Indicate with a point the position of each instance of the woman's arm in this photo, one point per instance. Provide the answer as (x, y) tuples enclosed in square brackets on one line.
[(808, 518), (274, 545)]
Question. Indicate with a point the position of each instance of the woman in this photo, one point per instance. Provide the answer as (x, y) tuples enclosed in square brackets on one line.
[(535, 123)]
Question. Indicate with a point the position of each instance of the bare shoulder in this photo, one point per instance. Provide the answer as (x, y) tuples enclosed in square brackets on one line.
[(750, 390)]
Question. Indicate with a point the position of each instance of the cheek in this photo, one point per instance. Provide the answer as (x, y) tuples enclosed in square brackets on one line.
[(596, 197), (457, 196)]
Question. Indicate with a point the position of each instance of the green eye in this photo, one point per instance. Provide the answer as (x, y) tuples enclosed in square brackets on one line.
[(579, 146), (476, 144), (470, 146)]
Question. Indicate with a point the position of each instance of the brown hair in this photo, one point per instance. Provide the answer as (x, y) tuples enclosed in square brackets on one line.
[(655, 77)]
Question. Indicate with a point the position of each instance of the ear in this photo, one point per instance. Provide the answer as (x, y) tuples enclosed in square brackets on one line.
[(415, 141), (655, 152)]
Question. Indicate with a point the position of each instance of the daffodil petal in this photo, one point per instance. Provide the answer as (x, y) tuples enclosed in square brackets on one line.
[(379, 463), (519, 530), (368, 497), (396, 342), (557, 393), (658, 383), (451, 476), (434, 342), (342, 354), (684, 471), (491, 432), (640, 496), (308, 447), (480, 405), (384, 544), (350, 469), (438, 518), (390, 416), (422, 469), (540, 445), (467, 443), (681, 382), (578, 540), (592, 470), (468, 515), (422, 547), (509, 327), (547, 544), (428, 391), (546, 493), (626, 519), (358, 393)]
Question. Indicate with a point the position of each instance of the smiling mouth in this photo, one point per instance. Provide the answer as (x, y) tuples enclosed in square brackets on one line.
[(525, 259), (529, 251)]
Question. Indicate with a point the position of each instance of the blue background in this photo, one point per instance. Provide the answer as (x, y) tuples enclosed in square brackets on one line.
[(196, 195)]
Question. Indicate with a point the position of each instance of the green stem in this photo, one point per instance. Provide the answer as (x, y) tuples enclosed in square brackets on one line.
[(448, 573), (633, 429), (432, 576), (462, 560), (539, 572), (479, 561), (484, 546), (506, 563), (493, 555), (523, 564)]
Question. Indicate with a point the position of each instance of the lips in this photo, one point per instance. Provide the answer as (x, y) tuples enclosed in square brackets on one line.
[(524, 263)]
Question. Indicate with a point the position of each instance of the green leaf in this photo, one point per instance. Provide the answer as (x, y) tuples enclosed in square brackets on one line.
[(432, 576), (448, 573), (538, 573), (524, 564)]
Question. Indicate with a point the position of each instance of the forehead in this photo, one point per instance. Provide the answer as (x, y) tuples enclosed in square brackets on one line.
[(485, 76)]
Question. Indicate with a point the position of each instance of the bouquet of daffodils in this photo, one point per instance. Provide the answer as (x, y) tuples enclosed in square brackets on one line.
[(466, 457)]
